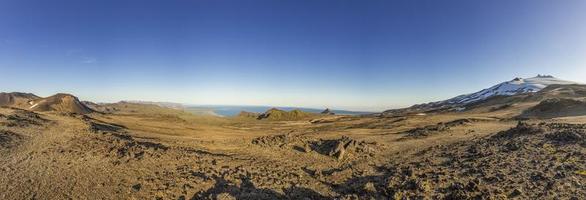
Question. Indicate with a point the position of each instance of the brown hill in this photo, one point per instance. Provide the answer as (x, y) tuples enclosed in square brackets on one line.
[(60, 103), (16, 99), (556, 107), (274, 114)]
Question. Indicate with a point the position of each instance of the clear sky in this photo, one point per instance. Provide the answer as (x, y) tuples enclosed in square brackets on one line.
[(349, 54)]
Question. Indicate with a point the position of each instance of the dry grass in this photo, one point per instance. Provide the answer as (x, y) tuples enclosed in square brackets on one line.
[(172, 154)]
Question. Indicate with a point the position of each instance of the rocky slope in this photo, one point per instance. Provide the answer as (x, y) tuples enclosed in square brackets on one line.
[(274, 114), (16, 99), (60, 103), (525, 162), (555, 107)]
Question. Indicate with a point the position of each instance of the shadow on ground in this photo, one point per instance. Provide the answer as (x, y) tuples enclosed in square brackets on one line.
[(246, 190)]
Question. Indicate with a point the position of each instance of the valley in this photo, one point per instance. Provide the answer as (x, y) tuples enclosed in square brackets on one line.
[(527, 145)]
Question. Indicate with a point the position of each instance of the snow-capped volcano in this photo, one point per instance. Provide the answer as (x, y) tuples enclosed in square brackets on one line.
[(508, 88), (513, 87)]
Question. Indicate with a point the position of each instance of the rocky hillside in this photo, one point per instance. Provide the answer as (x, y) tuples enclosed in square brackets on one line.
[(16, 99), (274, 114), (528, 161), (552, 108), (60, 103)]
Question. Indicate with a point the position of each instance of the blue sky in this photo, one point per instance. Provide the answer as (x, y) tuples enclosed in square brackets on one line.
[(345, 54)]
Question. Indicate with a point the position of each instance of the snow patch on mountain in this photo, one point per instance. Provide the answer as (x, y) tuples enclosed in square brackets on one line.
[(513, 87)]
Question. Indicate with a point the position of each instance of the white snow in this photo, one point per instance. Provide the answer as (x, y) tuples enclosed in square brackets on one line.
[(36, 104), (513, 87)]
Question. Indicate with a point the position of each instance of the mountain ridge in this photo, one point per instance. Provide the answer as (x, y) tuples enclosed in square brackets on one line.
[(60, 102), (17, 99), (508, 88)]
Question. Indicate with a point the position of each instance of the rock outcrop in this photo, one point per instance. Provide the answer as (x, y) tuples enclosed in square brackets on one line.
[(327, 111), (274, 114), (556, 107)]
